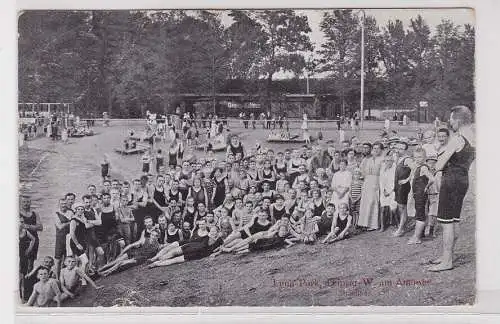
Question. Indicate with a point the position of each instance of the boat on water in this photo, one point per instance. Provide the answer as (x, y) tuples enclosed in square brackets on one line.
[(284, 138), (216, 147)]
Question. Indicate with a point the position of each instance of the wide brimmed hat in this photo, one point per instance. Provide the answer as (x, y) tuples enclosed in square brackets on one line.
[(433, 157), (402, 140), (413, 142), (78, 205)]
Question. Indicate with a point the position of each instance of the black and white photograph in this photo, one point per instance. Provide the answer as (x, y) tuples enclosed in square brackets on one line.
[(246, 157)]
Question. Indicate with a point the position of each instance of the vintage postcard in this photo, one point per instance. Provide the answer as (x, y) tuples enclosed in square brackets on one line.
[(246, 157)]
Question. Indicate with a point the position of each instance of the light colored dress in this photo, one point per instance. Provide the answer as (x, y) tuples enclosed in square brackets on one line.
[(368, 211), (64, 135), (304, 126), (341, 179), (387, 183), (21, 139), (341, 135), (387, 124), (430, 149)]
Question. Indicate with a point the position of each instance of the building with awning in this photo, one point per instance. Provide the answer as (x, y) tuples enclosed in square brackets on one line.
[(291, 104)]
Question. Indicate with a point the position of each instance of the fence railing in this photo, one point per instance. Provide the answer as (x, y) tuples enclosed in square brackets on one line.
[(293, 124)]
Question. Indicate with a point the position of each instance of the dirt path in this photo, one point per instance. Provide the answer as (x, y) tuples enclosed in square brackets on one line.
[(368, 269), (69, 168)]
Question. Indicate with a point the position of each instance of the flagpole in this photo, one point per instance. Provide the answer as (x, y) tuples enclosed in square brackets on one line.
[(362, 68)]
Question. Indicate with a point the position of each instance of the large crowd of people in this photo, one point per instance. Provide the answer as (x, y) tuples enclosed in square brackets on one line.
[(186, 207)]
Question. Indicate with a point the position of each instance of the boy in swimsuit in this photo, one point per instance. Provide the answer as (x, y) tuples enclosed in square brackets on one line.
[(30, 279), (46, 292), (71, 279), (146, 162), (309, 227), (125, 219)]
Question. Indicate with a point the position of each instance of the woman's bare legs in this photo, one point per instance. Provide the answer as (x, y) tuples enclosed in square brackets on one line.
[(164, 251), (117, 266), (178, 259), (169, 255), (119, 259), (403, 214), (232, 243), (239, 244), (233, 236)]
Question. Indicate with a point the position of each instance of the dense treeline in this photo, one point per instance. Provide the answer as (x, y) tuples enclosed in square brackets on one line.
[(127, 62)]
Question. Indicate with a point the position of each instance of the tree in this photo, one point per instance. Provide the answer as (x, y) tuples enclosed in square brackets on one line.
[(282, 39), (419, 58), (394, 55), (452, 69), (53, 49), (338, 53)]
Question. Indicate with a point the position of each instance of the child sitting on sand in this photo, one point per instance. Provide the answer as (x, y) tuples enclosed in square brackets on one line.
[(31, 278), (70, 279), (340, 225), (46, 292), (309, 227)]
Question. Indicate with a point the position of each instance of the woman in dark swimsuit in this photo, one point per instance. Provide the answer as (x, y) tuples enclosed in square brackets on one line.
[(267, 174), (189, 212), (78, 235), (201, 211), (140, 202), (335, 164), (402, 190), (235, 148), (258, 224), (159, 199), (326, 219), (454, 163), (33, 224), (340, 225), (274, 237), (173, 152), (174, 194), (107, 233), (278, 209), (280, 164), (202, 244), (198, 193), (318, 203), (186, 171), (173, 234), (221, 187), (78, 231)]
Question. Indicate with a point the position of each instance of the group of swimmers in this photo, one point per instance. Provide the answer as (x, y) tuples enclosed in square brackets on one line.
[(253, 200)]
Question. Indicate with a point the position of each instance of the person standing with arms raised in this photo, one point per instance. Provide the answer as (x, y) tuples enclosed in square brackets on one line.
[(454, 163)]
